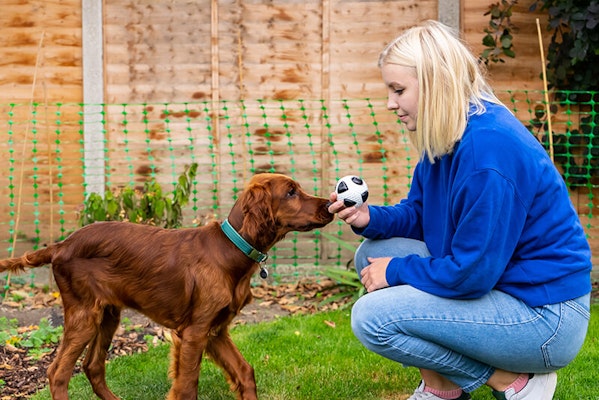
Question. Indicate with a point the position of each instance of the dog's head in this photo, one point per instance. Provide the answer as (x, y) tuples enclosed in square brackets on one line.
[(272, 205)]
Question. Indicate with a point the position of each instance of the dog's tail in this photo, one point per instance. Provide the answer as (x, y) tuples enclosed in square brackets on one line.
[(28, 260)]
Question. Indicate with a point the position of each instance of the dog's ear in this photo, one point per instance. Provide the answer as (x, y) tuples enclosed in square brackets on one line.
[(258, 215)]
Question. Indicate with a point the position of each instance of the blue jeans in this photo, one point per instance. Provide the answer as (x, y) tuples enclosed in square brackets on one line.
[(464, 340)]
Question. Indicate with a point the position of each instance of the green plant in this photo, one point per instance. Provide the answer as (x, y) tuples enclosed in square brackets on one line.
[(151, 205), (573, 54), (37, 340), (8, 331), (347, 282), (498, 40), (576, 151), (129, 326), (17, 297), (45, 334), (152, 341), (572, 69)]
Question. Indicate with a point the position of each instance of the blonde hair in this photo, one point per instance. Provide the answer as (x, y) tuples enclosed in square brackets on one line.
[(450, 81)]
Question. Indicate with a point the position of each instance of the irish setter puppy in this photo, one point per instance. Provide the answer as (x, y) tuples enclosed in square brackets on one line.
[(193, 281)]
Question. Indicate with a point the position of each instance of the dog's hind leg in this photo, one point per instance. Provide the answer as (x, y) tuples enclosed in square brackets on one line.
[(79, 330), (225, 354), (94, 364)]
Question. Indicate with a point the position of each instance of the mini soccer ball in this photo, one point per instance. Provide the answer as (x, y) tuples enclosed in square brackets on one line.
[(352, 190)]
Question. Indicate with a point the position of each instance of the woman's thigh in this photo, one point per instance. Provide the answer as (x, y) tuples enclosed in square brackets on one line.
[(394, 247), (497, 329)]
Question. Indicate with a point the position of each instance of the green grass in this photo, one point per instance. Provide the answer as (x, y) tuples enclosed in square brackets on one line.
[(304, 358)]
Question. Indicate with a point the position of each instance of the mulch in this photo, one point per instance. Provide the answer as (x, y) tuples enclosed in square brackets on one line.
[(22, 373)]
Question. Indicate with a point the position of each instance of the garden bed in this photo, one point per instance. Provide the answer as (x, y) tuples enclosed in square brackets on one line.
[(22, 373)]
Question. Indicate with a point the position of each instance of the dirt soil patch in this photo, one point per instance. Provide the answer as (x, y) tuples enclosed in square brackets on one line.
[(22, 373)]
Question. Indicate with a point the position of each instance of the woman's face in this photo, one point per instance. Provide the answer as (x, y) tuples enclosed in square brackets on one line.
[(402, 85)]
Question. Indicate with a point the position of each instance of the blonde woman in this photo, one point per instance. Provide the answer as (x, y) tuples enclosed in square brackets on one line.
[(482, 274)]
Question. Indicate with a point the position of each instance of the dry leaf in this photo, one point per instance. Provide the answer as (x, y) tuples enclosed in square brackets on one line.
[(330, 323), (12, 348)]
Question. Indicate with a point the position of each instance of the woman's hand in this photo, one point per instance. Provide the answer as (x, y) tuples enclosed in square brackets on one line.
[(374, 276), (358, 217)]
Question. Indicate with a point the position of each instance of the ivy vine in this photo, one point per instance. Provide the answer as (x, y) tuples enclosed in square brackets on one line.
[(573, 73), (498, 40), (573, 54)]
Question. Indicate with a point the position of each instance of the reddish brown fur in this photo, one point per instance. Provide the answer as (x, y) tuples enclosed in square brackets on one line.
[(193, 281)]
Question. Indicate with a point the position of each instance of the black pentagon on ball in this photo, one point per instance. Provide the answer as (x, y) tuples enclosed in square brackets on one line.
[(349, 203), (357, 180), (365, 196), (342, 187)]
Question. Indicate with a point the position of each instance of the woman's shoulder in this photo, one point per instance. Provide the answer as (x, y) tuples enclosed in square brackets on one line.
[(496, 139), (492, 115), (498, 127)]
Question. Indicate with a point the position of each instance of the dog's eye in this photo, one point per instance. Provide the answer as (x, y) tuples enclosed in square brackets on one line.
[(292, 192)]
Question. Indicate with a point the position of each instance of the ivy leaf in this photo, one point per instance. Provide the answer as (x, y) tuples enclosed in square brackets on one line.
[(506, 41), (578, 52), (489, 41)]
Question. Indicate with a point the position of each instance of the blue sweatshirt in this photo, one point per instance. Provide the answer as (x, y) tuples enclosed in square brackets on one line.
[(495, 214)]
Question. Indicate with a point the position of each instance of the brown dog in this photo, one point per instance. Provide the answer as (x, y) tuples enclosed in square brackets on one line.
[(193, 281)]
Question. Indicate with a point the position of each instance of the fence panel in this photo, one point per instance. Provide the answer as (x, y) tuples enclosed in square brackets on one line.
[(42, 182)]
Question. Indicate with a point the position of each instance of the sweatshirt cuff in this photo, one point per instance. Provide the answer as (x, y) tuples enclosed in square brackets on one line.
[(393, 272), (366, 230)]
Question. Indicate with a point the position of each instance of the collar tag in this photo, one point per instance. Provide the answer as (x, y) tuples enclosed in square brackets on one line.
[(263, 272)]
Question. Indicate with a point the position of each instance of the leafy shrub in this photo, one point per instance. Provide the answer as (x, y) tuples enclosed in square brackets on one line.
[(574, 49), (151, 205)]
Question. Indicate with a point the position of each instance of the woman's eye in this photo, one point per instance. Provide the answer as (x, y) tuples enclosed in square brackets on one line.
[(398, 91)]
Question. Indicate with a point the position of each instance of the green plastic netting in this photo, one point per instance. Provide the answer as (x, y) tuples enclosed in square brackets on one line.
[(55, 155)]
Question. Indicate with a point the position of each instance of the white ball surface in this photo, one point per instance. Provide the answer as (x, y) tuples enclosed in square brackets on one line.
[(353, 190)]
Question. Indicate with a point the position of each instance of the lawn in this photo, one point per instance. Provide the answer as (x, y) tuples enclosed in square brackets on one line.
[(313, 357)]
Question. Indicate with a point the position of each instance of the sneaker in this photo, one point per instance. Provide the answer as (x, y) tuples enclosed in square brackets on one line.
[(420, 394), (539, 387)]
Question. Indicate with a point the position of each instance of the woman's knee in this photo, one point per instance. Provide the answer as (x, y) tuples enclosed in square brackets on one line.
[(361, 256), (361, 320), (393, 247), (370, 317)]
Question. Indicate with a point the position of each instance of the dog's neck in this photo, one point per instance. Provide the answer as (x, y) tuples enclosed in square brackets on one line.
[(231, 228), (241, 243)]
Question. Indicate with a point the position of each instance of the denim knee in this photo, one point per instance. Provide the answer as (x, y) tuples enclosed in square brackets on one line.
[(361, 320), (360, 257), (392, 247), (366, 324)]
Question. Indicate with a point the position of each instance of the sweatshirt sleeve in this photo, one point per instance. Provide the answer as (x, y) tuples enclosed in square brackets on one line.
[(488, 219), (400, 220)]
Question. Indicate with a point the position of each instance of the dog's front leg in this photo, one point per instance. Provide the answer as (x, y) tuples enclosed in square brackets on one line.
[(186, 357), (224, 353)]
